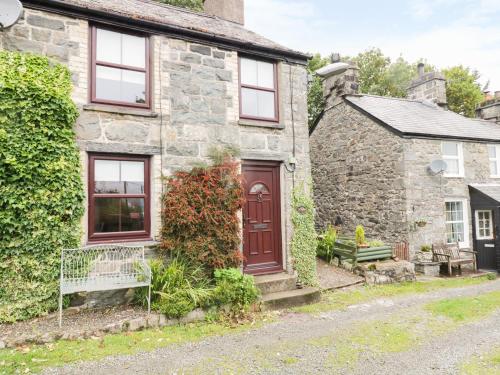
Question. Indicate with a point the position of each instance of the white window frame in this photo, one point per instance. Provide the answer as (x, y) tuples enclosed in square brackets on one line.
[(478, 236), (459, 158), (496, 159), (465, 214)]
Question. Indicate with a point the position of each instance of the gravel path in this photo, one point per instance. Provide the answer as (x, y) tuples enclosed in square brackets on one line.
[(303, 344)]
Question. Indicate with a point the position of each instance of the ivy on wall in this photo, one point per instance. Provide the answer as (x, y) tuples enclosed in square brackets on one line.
[(41, 191), (304, 240)]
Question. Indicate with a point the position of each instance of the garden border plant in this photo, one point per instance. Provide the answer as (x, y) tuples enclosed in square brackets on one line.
[(41, 191), (305, 240)]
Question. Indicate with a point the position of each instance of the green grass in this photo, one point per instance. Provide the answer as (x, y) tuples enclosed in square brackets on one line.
[(36, 358), (485, 364), (338, 300), (464, 309)]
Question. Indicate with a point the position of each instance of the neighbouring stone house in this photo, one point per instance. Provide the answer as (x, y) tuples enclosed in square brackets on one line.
[(406, 169), (157, 86)]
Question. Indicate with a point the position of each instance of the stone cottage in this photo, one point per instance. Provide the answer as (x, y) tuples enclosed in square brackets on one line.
[(406, 169), (157, 86)]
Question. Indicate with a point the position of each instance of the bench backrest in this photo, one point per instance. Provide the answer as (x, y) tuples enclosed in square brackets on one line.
[(102, 261), (453, 250)]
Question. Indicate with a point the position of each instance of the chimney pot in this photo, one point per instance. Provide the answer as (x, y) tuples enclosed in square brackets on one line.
[(420, 68), (335, 57)]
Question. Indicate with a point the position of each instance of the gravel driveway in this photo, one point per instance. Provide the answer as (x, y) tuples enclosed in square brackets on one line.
[(311, 344)]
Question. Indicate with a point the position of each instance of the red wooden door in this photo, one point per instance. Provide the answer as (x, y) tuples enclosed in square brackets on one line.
[(262, 218)]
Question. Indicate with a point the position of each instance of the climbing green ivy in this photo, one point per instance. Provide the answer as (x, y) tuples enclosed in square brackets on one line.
[(304, 241), (41, 191)]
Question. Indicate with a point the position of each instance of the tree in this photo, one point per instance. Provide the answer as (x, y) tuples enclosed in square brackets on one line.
[(463, 90), (315, 100), (189, 4)]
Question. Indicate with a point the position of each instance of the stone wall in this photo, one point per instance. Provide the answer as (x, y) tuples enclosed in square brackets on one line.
[(357, 168), (195, 105), (426, 194)]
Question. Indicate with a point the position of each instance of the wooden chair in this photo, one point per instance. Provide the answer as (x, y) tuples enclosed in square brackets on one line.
[(451, 256)]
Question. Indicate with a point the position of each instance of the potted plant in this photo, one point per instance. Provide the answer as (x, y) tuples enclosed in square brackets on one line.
[(421, 222), (425, 254), (360, 237)]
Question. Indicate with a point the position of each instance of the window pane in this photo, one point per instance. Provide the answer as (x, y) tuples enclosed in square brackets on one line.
[(120, 85), (257, 103), (450, 148), (266, 104), (108, 46), (249, 72), (452, 166), (106, 215), (118, 215), (265, 75), (118, 177), (133, 51), (249, 102), (132, 214), (118, 48), (107, 177), (132, 174), (492, 151), (493, 168)]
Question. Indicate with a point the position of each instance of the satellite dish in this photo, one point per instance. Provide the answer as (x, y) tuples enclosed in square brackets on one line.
[(10, 11), (437, 167)]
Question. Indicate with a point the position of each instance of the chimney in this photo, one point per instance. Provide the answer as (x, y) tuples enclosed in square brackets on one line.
[(230, 10), (490, 108), (339, 79), (428, 86)]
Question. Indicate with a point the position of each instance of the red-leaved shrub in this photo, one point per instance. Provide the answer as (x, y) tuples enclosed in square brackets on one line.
[(200, 214)]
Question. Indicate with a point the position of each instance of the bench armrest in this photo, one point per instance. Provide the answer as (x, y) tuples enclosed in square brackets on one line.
[(468, 251)]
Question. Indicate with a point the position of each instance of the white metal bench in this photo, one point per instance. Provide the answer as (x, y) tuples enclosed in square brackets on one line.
[(103, 267)]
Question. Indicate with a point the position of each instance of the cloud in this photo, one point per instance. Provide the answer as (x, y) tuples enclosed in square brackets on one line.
[(470, 35)]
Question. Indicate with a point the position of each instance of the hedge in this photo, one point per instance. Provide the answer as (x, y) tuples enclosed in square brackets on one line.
[(41, 192)]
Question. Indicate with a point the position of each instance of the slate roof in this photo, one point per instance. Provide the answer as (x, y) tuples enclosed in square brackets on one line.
[(182, 19), (416, 118), (492, 191)]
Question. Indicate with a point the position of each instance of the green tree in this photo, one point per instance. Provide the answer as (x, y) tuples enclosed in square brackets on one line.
[(463, 90), (189, 4), (372, 66), (315, 100)]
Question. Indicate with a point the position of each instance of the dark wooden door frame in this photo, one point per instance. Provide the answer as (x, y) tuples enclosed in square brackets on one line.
[(479, 201), (276, 266)]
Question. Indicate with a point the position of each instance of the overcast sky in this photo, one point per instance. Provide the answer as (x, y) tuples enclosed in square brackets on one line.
[(445, 32)]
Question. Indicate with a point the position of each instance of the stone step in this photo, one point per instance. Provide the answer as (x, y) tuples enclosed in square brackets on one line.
[(274, 283), (290, 298)]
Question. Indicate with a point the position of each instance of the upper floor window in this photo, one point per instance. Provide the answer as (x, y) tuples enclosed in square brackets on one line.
[(120, 68), (453, 156), (494, 155), (258, 90)]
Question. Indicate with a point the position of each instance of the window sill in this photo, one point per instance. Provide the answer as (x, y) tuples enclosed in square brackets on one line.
[(261, 124), (147, 242), (120, 110), (453, 176)]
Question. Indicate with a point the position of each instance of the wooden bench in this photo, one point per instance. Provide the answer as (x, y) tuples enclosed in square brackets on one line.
[(345, 249), (451, 256), (103, 267)]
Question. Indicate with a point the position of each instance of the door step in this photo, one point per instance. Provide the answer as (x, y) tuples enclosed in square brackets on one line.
[(278, 282), (290, 298)]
